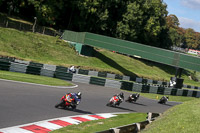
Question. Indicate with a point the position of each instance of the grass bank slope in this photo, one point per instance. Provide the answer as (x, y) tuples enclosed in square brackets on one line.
[(51, 50), (183, 118)]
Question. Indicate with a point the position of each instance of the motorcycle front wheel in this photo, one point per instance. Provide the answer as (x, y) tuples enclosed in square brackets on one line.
[(59, 104)]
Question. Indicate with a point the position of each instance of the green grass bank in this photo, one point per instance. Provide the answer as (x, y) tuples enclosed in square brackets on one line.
[(33, 79)]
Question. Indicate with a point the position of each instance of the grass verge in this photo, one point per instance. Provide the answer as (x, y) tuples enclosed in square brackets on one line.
[(104, 124), (183, 118), (33, 78)]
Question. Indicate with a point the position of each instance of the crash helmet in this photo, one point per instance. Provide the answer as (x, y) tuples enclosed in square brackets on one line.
[(79, 94), (137, 94), (121, 94)]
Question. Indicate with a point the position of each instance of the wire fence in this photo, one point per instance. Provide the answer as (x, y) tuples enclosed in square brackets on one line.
[(8, 23)]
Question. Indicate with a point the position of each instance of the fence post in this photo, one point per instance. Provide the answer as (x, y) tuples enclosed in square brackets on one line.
[(34, 24), (7, 24), (43, 30)]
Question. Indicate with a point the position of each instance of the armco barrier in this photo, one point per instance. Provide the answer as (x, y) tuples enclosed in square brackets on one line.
[(173, 92), (190, 92), (81, 71), (47, 72), (185, 92), (49, 67), (61, 69), (194, 94), (167, 91), (93, 73), (102, 74), (117, 76), (96, 73), (16, 67), (179, 92), (153, 89), (81, 78), (160, 90), (126, 78), (126, 85), (145, 88), (110, 75), (4, 65), (198, 94), (34, 68), (63, 75), (97, 81), (113, 84), (137, 87)]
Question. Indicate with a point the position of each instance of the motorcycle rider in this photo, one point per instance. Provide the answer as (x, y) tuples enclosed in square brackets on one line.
[(72, 69), (70, 96), (120, 97), (163, 99), (134, 96)]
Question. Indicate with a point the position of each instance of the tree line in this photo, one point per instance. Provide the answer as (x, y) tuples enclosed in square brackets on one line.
[(142, 21)]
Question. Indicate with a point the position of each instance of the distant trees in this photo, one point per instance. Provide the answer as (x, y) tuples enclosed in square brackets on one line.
[(143, 21)]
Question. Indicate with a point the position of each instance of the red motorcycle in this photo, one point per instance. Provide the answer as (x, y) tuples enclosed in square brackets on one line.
[(114, 101), (67, 101)]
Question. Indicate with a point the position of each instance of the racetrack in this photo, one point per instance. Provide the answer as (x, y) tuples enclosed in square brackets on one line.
[(24, 103)]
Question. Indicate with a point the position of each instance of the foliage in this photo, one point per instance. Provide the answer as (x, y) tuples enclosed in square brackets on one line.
[(134, 20)]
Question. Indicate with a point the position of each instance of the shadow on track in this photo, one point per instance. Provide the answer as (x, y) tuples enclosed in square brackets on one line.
[(140, 104), (77, 110), (166, 105), (122, 108)]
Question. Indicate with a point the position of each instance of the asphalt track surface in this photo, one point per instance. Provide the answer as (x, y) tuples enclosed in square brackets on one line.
[(24, 103)]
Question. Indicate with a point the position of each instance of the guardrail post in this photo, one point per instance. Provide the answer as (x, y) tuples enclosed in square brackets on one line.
[(149, 117), (116, 130), (137, 127)]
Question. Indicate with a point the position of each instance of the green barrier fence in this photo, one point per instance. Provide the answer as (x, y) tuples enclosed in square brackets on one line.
[(135, 49)]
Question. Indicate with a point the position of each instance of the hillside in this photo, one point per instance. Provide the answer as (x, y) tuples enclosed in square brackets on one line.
[(51, 50)]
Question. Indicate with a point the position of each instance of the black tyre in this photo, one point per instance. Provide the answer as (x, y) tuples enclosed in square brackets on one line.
[(73, 107), (59, 104)]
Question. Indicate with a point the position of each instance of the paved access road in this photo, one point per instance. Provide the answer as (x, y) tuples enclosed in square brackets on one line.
[(24, 103)]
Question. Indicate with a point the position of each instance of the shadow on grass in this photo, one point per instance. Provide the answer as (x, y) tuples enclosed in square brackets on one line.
[(113, 64)]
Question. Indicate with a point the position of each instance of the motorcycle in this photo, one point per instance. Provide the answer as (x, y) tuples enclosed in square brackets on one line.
[(114, 101), (133, 98), (163, 100), (66, 102)]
